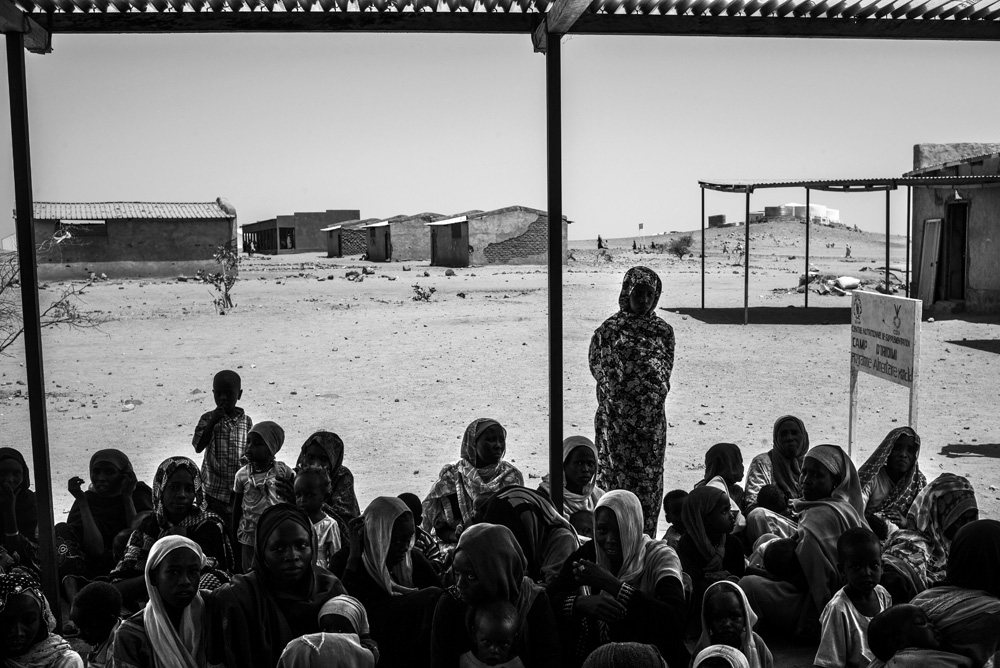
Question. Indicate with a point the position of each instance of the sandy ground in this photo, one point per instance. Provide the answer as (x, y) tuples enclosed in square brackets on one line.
[(399, 379)]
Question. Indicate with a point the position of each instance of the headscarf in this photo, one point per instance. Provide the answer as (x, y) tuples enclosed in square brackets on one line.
[(749, 644), (341, 500), (271, 433), (975, 554), (625, 655), (270, 520), (349, 608), (468, 481), (700, 502), (898, 501), (531, 518), (153, 527), (644, 561), (47, 646), (183, 647), (720, 460), (847, 494), (635, 277), (26, 511), (590, 494), (731, 655), (326, 650), (116, 458), (500, 565), (332, 445), (380, 516), (786, 467)]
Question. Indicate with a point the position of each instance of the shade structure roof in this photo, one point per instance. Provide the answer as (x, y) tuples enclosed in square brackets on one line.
[(128, 210), (883, 19), (855, 185)]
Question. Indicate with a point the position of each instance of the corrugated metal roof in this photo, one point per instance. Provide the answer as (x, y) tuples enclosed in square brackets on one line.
[(128, 210), (852, 185), (449, 221), (954, 163)]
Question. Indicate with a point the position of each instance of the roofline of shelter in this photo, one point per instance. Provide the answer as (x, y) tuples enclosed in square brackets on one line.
[(856, 185)]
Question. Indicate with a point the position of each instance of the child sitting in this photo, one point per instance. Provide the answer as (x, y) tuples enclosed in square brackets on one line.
[(844, 643), (26, 625), (728, 619), (720, 656), (902, 636), (312, 484), (423, 540), (781, 563), (673, 505), (256, 484), (493, 628), (583, 522), (346, 614), (770, 497), (96, 613)]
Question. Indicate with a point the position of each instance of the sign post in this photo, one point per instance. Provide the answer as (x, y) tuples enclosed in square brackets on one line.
[(885, 342), (642, 236)]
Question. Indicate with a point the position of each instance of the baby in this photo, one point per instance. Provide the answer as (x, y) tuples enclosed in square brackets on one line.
[(770, 497), (902, 636), (583, 522), (493, 628)]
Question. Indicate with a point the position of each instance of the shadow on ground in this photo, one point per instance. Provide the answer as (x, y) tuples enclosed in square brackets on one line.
[(769, 315), (986, 345), (954, 450)]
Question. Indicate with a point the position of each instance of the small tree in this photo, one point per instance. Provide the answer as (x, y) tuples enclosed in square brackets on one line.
[(63, 310), (223, 281), (680, 246)]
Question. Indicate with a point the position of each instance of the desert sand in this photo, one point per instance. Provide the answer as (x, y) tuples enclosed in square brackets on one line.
[(400, 379)]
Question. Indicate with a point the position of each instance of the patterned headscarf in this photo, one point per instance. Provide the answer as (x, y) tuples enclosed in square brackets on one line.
[(635, 277), (166, 469), (898, 501), (472, 434), (936, 508), (644, 561), (349, 608), (700, 502), (730, 655), (182, 647), (749, 644), (271, 433), (47, 647), (786, 467), (332, 445), (379, 517)]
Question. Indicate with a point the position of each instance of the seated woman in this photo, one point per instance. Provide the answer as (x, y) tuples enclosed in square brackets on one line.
[(451, 504), (179, 508), (395, 582), (326, 449), (18, 512), (253, 618), (890, 480), (170, 630), (727, 619), (965, 608), (708, 551), (916, 555), (580, 490), (634, 587), (830, 505), (780, 466), (724, 470), (489, 567), (100, 513), (27, 623), (546, 537)]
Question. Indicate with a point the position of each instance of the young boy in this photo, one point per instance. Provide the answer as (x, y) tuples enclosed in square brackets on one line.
[(844, 642), (312, 484), (256, 484), (424, 541), (222, 435), (494, 629), (96, 613), (673, 503), (583, 522), (902, 636)]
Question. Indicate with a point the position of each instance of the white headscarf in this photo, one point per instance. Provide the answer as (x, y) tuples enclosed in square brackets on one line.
[(348, 607), (644, 561), (732, 656), (174, 648), (326, 650), (749, 644), (379, 517)]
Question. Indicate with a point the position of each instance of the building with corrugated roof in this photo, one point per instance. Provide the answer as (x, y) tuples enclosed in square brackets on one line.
[(956, 229), (347, 238), (511, 235), (131, 239), (300, 232)]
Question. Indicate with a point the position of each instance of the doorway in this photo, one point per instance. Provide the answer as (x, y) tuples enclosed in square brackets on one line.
[(954, 241)]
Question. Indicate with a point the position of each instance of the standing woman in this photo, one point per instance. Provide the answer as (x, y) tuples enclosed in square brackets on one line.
[(631, 358)]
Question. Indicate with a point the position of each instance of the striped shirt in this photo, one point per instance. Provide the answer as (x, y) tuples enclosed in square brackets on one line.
[(223, 453)]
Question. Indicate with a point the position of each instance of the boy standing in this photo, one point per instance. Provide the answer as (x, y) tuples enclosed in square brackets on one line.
[(222, 435)]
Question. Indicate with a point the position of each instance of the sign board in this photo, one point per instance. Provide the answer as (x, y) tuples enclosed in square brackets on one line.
[(885, 343), (640, 226)]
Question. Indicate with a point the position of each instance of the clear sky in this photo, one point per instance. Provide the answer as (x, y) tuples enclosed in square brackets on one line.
[(392, 124)]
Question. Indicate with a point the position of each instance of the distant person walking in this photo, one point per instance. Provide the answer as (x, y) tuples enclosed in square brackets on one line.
[(847, 251), (600, 242), (631, 358)]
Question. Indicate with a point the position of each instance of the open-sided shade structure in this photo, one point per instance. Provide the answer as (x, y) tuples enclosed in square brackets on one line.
[(31, 24)]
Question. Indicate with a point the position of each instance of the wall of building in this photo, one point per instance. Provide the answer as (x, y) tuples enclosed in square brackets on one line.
[(983, 269), (717, 221), (411, 240), (377, 244), (308, 224), (929, 155), (450, 245), (512, 236), (353, 241)]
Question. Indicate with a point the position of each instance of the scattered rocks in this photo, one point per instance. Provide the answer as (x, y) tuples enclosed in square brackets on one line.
[(449, 272)]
